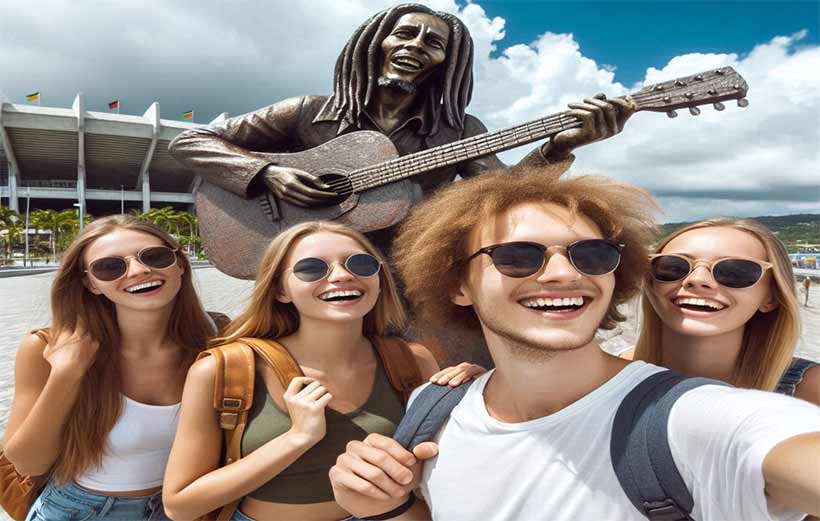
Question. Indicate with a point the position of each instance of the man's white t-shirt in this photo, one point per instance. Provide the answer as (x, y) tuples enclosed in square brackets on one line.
[(558, 468)]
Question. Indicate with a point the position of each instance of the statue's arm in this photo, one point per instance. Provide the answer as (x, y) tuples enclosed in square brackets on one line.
[(222, 153), (539, 157)]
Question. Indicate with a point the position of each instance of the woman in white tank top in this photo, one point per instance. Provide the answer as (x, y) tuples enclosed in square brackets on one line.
[(96, 395)]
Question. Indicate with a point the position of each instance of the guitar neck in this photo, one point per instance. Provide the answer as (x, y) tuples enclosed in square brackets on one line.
[(460, 151)]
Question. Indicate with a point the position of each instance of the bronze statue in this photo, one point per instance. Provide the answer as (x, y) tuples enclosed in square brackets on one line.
[(406, 73)]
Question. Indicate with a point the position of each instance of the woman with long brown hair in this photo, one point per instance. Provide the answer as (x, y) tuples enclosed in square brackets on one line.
[(97, 394), (720, 302), (325, 296)]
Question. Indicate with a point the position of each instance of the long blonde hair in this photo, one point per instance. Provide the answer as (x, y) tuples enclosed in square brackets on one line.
[(99, 401), (266, 317), (769, 339)]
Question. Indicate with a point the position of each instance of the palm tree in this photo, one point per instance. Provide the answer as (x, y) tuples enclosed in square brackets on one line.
[(11, 229), (57, 223)]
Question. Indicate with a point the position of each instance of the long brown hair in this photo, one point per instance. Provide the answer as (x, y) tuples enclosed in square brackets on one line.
[(769, 339), (266, 317), (99, 401)]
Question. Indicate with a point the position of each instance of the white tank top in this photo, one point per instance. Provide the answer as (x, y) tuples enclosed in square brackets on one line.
[(136, 450)]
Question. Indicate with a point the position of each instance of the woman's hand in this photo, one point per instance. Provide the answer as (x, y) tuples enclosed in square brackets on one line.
[(306, 400), (457, 375), (71, 353)]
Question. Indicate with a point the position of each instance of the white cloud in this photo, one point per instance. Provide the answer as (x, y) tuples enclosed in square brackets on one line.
[(214, 56)]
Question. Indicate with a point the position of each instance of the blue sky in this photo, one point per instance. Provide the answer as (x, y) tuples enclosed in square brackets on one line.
[(633, 36), (214, 56)]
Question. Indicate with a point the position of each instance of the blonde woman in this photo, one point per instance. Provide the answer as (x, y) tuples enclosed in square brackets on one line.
[(721, 303), (325, 294), (96, 395)]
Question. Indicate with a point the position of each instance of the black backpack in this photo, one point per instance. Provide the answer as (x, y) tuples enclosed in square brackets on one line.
[(639, 446)]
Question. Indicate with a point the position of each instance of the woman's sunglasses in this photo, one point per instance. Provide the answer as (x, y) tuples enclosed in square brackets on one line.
[(522, 259), (732, 272), (312, 269), (108, 269)]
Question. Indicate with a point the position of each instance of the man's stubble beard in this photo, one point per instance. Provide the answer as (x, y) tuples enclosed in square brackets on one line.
[(407, 87), (521, 346)]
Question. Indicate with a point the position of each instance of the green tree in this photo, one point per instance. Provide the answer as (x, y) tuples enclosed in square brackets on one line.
[(11, 230)]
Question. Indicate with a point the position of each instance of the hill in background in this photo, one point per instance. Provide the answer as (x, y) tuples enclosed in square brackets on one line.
[(796, 231)]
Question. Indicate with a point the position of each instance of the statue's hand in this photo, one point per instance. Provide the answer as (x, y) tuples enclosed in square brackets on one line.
[(297, 186), (602, 118)]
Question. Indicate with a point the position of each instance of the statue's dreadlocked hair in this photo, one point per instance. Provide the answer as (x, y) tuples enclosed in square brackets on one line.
[(450, 87)]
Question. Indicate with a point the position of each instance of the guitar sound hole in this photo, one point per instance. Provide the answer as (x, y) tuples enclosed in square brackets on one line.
[(340, 184)]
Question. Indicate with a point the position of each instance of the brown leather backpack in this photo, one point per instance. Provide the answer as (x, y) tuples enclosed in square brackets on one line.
[(234, 379), (18, 492)]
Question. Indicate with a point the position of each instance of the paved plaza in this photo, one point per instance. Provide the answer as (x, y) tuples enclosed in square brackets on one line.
[(24, 305)]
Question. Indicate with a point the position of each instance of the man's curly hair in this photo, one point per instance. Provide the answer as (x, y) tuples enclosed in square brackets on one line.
[(432, 244)]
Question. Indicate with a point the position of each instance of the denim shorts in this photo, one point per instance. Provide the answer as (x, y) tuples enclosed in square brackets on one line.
[(73, 503)]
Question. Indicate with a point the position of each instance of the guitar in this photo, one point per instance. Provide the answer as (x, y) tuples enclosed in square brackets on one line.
[(372, 180)]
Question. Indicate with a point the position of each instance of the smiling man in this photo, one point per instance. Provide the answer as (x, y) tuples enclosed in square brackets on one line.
[(538, 264), (407, 73)]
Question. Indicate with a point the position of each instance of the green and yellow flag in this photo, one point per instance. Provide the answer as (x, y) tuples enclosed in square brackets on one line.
[(188, 115), (34, 96)]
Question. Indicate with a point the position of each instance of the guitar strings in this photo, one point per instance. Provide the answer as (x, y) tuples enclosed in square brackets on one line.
[(533, 130)]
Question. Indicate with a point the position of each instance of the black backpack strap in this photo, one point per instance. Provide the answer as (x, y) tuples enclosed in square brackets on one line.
[(640, 449), (427, 414)]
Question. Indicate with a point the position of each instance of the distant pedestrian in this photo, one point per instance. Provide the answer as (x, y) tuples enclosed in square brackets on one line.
[(806, 286)]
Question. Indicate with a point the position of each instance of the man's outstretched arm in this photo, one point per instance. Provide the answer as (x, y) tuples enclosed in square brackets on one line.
[(792, 473)]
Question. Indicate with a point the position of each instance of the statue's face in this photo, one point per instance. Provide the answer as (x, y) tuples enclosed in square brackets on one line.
[(415, 46)]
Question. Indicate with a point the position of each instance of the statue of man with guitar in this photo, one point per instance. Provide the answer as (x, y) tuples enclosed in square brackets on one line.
[(405, 76)]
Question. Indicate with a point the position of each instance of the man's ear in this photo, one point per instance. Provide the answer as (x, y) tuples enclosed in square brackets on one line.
[(87, 282), (461, 297)]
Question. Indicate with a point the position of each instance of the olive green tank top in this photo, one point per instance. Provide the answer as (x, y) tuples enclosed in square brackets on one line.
[(306, 481)]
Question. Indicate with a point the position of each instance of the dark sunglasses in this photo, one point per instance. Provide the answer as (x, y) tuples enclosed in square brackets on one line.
[(312, 269), (522, 259), (108, 269), (731, 272)]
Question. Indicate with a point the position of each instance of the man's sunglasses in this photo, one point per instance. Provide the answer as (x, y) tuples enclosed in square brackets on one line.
[(731, 272), (522, 259), (108, 269), (312, 269)]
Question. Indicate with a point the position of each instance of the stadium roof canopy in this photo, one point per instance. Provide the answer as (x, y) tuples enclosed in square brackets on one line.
[(71, 153)]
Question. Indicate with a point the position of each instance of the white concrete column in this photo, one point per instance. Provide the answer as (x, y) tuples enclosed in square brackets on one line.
[(13, 202), (11, 159), (79, 111), (146, 191), (152, 116)]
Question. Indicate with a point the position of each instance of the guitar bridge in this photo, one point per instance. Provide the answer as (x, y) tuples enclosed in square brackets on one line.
[(268, 203)]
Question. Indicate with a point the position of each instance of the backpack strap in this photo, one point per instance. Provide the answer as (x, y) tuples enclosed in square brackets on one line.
[(641, 456), (233, 397), (793, 376), (403, 372), (277, 357), (427, 414)]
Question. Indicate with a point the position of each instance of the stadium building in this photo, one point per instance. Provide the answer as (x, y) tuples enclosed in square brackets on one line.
[(100, 163)]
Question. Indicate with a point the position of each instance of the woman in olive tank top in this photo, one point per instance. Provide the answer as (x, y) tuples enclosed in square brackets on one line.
[(321, 291)]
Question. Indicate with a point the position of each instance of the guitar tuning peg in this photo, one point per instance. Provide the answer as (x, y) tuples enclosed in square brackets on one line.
[(719, 106), (742, 103), (672, 114), (694, 111)]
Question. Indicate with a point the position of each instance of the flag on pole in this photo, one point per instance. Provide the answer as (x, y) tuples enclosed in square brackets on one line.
[(188, 115), (34, 96), (114, 105)]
